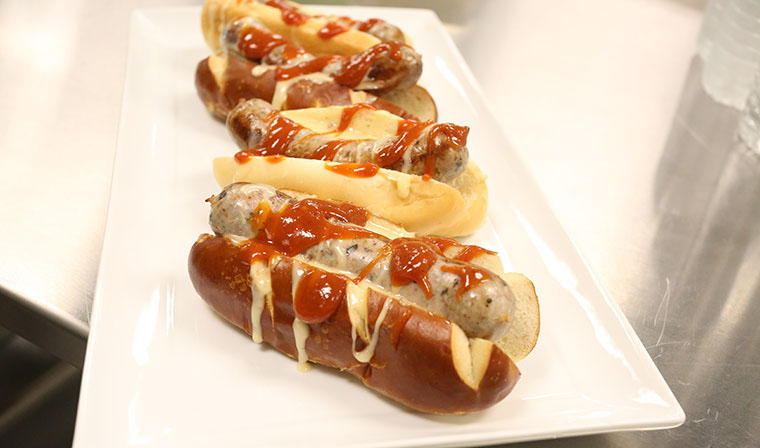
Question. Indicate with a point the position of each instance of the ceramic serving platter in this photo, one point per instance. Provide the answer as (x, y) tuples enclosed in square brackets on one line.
[(162, 370)]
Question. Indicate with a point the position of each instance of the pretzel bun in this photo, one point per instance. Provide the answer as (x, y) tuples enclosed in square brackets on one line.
[(429, 364), (217, 13), (421, 206)]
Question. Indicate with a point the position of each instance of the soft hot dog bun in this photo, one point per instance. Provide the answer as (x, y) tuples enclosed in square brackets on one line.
[(217, 13), (424, 207)]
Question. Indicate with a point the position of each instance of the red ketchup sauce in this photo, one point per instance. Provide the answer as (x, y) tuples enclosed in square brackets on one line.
[(368, 24), (353, 169), (294, 229), (329, 150), (277, 158), (347, 115), (332, 29), (290, 14), (398, 327), (469, 277), (318, 295), (256, 43), (457, 136), (409, 131), (467, 252), (243, 156), (359, 64), (254, 251), (309, 222), (441, 242), (281, 133), (410, 261), (259, 216), (343, 24)]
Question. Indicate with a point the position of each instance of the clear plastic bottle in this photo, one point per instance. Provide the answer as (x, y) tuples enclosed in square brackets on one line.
[(713, 11), (729, 45), (748, 131)]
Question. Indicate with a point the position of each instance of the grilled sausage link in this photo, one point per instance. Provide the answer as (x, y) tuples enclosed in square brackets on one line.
[(235, 83), (251, 121), (482, 310), (384, 67)]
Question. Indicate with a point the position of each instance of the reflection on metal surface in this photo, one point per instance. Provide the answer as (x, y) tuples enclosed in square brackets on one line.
[(698, 319)]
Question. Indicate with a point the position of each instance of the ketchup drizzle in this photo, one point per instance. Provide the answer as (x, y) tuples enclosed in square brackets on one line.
[(308, 222), (290, 14), (353, 169), (281, 133), (457, 137), (347, 115), (368, 24), (467, 252), (329, 150), (469, 277), (318, 295), (332, 29), (407, 132), (410, 261), (359, 64), (253, 250), (398, 327), (255, 44)]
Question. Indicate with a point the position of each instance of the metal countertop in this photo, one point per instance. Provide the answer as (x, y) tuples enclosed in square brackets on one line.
[(602, 99)]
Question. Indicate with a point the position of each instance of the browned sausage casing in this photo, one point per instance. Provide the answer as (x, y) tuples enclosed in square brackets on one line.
[(221, 93)]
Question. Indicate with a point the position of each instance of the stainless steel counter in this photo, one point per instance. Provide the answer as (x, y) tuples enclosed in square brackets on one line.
[(601, 97)]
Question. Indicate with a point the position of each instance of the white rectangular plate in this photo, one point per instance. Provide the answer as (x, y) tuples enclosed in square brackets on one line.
[(163, 370)]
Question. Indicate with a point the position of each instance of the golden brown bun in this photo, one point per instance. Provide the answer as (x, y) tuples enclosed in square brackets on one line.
[(217, 13), (429, 364)]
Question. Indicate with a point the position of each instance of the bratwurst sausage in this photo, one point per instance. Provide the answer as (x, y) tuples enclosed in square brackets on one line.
[(224, 81), (383, 67), (478, 300), (436, 149)]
